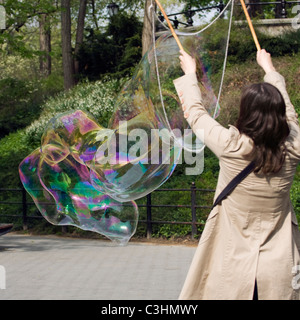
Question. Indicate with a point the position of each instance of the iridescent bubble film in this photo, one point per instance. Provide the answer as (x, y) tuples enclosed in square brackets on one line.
[(88, 176), (64, 195)]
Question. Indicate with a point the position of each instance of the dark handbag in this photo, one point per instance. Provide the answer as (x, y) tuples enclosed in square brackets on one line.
[(234, 182)]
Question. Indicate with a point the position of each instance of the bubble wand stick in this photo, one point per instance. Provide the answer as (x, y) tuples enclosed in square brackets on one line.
[(250, 25), (169, 24)]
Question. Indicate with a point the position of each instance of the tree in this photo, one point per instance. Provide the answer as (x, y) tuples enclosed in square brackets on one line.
[(115, 49), (45, 44), (80, 32), (20, 15), (147, 28), (67, 57)]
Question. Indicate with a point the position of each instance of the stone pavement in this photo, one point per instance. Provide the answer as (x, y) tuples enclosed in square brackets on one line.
[(56, 268)]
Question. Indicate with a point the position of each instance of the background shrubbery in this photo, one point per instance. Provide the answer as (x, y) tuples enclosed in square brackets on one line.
[(115, 51), (242, 49)]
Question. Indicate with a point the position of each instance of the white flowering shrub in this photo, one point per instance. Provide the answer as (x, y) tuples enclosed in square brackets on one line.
[(98, 98)]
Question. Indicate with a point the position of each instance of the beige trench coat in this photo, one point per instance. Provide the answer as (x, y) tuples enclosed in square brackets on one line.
[(253, 234)]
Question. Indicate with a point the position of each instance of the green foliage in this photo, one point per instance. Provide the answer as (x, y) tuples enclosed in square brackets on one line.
[(241, 45), (23, 91), (242, 48), (19, 14), (20, 101), (16, 111), (13, 149), (295, 194), (131, 55)]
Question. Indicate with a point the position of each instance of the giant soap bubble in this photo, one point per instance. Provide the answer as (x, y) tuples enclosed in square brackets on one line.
[(60, 184), (88, 176)]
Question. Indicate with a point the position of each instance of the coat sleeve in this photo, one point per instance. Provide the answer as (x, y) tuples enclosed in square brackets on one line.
[(278, 81), (216, 137)]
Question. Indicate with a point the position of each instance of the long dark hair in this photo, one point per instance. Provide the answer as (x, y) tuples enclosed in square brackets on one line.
[(263, 118)]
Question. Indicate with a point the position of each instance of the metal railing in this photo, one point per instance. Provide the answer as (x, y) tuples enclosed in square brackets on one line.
[(193, 205), (280, 9), (24, 203), (189, 13)]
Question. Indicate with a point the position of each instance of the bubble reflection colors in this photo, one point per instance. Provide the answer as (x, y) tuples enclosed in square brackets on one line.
[(64, 196)]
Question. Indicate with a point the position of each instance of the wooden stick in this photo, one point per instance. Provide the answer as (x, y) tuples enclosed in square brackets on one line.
[(250, 25), (170, 25)]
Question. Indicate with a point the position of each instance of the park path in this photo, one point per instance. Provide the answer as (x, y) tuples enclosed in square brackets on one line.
[(56, 268)]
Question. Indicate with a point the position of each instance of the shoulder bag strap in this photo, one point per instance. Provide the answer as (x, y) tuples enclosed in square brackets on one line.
[(234, 182)]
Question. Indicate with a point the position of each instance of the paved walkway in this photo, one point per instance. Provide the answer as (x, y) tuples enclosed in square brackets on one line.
[(56, 268)]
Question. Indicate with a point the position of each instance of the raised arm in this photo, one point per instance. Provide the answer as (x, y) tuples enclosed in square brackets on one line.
[(273, 77), (216, 137)]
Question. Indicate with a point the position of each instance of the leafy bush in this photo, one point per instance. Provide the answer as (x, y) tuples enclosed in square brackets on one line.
[(17, 105), (242, 48), (21, 101), (13, 149)]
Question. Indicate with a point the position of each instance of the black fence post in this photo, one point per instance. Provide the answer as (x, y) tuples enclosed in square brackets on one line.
[(193, 206), (283, 10), (149, 217), (24, 208)]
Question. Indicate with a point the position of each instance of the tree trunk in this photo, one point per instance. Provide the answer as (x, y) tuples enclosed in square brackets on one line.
[(147, 40), (67, 57), (45, 45), (80, 30), (94, 15)]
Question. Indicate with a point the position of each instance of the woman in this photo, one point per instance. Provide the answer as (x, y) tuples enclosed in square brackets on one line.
[(251, 241)]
